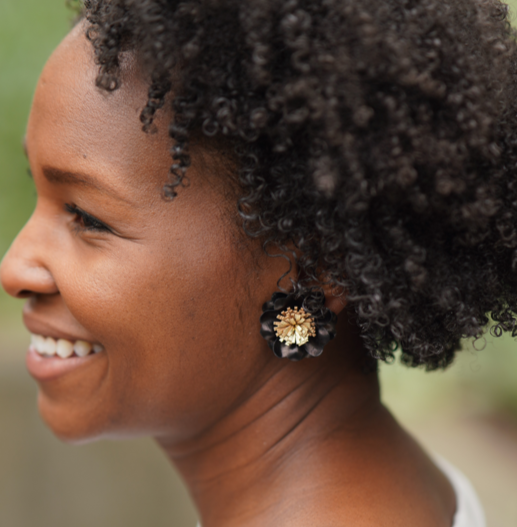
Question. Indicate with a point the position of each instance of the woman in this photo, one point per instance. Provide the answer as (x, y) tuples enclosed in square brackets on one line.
[(339, 190)]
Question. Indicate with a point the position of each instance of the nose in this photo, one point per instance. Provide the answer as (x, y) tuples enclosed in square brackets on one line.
[(23, 271)]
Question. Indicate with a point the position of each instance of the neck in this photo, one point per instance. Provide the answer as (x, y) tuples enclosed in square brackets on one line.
[(238, 467)]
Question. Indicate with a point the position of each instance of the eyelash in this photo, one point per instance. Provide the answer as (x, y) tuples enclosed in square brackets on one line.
[(85, 221)]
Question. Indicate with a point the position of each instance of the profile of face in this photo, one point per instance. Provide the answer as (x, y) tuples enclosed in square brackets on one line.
[(170, 292)]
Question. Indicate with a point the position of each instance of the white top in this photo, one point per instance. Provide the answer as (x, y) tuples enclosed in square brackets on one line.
[(469, 512)]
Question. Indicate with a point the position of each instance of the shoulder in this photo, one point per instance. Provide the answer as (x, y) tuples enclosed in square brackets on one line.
[(378, 512), (398, 491)]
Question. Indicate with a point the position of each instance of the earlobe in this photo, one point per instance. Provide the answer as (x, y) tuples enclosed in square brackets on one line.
[(335, 295), (335, 298)]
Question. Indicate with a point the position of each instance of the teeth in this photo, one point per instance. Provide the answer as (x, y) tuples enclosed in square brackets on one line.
[(82, 348), (47, 346), (97, 348), (38, 342), (64, 348)]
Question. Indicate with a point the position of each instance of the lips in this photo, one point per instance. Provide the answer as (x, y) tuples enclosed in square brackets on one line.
[(46, 369)]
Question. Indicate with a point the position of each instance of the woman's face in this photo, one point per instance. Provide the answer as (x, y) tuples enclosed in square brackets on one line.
[(168, 289)]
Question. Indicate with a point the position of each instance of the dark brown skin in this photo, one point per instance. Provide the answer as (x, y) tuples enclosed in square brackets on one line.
[(175, 298)]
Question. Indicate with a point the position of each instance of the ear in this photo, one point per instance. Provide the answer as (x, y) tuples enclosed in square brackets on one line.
[(335, 298)]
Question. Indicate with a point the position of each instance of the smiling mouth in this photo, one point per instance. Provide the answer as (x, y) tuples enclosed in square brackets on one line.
[(49, 347)]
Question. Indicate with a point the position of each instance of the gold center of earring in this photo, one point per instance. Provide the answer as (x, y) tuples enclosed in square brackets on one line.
[(295, 326)]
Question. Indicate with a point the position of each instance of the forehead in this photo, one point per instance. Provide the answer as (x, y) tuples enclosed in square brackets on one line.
[(73, 120)]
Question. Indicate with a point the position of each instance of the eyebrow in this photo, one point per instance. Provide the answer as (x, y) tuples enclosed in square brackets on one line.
[(64, 177)]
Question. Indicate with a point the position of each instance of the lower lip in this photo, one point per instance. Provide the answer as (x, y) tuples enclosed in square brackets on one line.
[(50, 368)]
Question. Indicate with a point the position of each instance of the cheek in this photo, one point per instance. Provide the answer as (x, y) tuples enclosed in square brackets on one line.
[(177, 323)]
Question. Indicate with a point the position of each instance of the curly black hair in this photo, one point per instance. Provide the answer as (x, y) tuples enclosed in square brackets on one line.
[(375, 136)]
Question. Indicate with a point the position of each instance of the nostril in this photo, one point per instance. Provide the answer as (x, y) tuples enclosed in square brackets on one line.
[(25, 294)]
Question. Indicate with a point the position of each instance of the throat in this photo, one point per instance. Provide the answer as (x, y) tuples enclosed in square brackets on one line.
[(279, 443)]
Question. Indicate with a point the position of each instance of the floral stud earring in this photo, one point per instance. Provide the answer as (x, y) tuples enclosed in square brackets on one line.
[(291, 331)]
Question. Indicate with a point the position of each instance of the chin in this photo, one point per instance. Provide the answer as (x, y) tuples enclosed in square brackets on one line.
[(71, 424)]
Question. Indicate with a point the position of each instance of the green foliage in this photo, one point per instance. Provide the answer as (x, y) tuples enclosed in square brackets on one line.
[(482, 379)]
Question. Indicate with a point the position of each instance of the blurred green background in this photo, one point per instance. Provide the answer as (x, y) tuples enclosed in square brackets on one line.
[(468, 414)]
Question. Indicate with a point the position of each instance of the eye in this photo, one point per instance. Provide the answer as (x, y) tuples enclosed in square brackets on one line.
[(85, 221)]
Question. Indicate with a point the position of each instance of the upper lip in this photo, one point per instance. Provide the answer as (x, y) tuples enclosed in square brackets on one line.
[(46, 329)]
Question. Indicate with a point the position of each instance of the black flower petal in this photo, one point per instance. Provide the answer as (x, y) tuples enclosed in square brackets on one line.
[(283, 351), (267, 328), (299, 355), (315, 345)]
